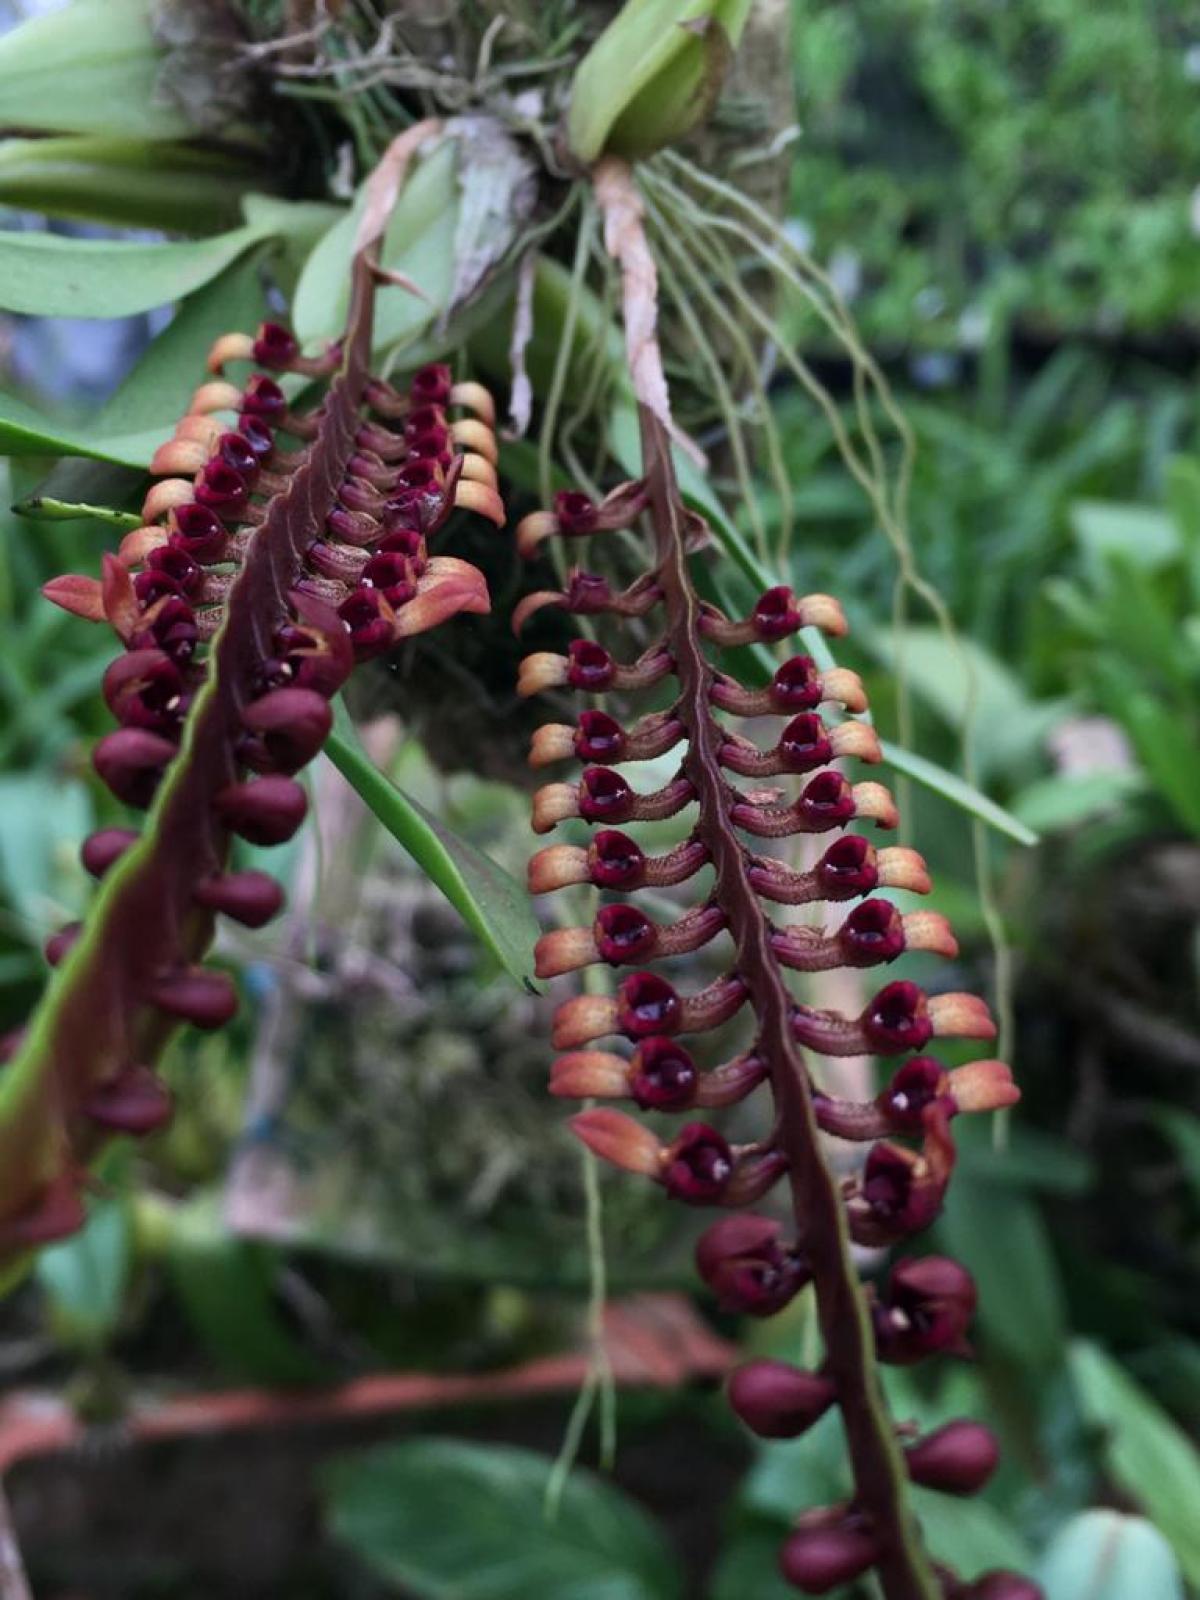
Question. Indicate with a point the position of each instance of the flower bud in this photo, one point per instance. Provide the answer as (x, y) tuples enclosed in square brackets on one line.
[(370, 622), (430, 385), (599, 737), (251, 898), (779, 1401), (914, 1087), (926, 1307), (872, 934), (203, 998), (174, 563), (615, 861), (958, 1458), (274, 346), (698, 1165), (135, 1101), (262, 398), (58, 945), (143, 689), (222, 490), (288, 726), (131, 763), (821, 1557), (605, 796), (746, 1266), (267, 811), (623, 934), (647, 1004), (897, 1019), (662, 1076), (393, 574), (197, 531), (1003, 1586), (99, 850)]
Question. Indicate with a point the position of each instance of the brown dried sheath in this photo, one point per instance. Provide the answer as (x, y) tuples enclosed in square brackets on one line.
[(879, 1471)]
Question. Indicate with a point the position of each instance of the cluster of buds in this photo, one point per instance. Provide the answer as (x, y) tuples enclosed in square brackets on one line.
[(747, 1260), (286, 543)]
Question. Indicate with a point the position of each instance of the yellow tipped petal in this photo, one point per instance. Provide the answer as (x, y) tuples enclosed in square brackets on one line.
[(178, 456), (824, 612), (857, 740), (206, 430), (138, 543), (476, 436), (481, 498), (230, 347), (446, 587), (564, 950), (215, 396), (554, 804), (542, 670), (844, 686), (874, 803), (983, 1086), (929, 930), (901, 868), (579, 1021), (531, 530), (556, 867), (961, 1016), (477, 469), (166, 495), (554, 741), (589, 1074), (477, 399), (615, 1137)]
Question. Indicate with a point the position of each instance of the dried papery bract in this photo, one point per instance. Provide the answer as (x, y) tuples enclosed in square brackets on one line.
[(290, 540), (749, 1261)]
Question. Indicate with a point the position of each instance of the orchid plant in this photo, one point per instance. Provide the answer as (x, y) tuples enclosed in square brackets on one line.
[(291, 533)]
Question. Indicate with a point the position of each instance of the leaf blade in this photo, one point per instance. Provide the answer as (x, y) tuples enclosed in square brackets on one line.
[(491, 902)]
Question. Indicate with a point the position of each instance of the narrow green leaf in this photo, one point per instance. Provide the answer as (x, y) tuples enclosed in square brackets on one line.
[(1145, 1454), (44, 508), (1104, 1555), (957, 790), (47, 275), (456, 1521), (88, 68), (491, 902), (996, 1231)]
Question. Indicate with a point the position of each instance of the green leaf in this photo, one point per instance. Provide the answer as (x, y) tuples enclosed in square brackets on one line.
[(25, 431), (1163, 748), (957, 790), (1104, 1555), (749, 1565), (652, 76), (84, 1278), (1145, 1454), (456, 1521), (491, 902), (1007, 727), (998, 1234), (1052, 805), (156, 393), (1182, 1128), (123, 182), (419, 242), (1104, 528), (88, 68), (47, 275), (227, 1287), (969, 1535)]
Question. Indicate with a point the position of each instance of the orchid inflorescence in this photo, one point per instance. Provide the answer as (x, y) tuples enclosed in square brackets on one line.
[(925, 1305), (289, 540)]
